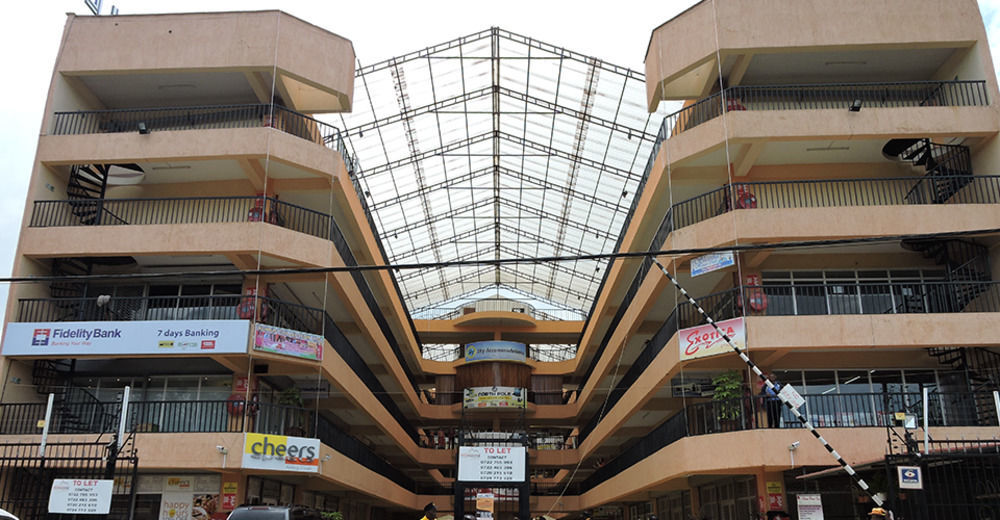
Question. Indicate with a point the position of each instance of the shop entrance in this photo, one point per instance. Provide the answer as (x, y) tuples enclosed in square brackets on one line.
[(26, 475)]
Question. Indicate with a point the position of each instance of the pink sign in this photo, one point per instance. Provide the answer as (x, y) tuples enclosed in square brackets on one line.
[(288, 342)]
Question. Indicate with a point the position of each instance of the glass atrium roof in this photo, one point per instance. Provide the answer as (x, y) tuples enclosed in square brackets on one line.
[(496, 146)]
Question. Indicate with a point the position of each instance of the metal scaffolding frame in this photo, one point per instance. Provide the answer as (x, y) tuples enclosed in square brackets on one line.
[(496, 145)]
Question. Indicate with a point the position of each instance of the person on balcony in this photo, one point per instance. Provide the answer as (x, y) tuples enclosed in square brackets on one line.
[(771, 402)]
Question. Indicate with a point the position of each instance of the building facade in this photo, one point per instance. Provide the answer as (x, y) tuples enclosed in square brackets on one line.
[(197, 220)]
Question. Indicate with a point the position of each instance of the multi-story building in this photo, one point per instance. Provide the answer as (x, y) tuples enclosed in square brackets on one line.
[(209, 189)]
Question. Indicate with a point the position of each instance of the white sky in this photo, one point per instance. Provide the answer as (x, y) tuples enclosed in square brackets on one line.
[(378, 29)]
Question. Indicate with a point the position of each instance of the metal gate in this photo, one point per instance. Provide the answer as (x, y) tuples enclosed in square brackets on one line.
[(961, 480), (26, 475)]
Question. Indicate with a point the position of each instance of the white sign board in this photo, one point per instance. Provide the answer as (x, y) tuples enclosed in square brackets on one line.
[(75, 338), (711, 262), (794, 398), (280, 453), (705, 340), (491, 464), (80, 496), (910, 477), (175, 506), (810, 506)]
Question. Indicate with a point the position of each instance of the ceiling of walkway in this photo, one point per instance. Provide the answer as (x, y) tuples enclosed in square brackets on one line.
[(496, 146)]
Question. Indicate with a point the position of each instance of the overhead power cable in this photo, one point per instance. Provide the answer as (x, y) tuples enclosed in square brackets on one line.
[(792, 244)]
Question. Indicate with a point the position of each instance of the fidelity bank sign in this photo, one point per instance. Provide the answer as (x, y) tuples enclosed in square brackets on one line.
[(126, 337)]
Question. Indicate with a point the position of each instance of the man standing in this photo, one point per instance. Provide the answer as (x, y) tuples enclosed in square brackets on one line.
[(772, 402), (430, 512)]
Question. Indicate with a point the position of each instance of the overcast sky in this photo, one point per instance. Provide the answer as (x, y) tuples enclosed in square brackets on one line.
[(378, 29)]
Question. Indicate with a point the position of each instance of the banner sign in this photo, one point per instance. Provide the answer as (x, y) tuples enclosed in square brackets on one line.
[(73, 338), (280, 453), (288, 342), (491, 464), (711, 262), (493, 397), (910, 477), (495, 350), (703, 340), (810, 506), (80, 497), (175, 506)]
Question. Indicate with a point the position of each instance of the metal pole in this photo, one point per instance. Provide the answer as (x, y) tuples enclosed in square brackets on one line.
[(48, 419), (927, 433), (123, 418), (996, 402)]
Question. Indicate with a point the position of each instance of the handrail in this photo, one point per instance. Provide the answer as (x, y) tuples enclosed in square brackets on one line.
[(159, 119), (848, 410), (272, 311), (827, 96)]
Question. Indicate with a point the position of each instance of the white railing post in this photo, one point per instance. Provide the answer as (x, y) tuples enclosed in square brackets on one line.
[(927, 433), (996, 402), (123, 418), (45, 427)]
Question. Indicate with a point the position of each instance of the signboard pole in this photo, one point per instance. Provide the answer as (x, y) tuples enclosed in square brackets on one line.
[(123, 418), (45, 427)]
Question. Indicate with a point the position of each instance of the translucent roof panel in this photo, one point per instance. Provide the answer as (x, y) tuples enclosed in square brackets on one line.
[(496, 146)]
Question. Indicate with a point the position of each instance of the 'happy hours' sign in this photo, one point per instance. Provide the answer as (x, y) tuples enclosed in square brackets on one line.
[(491, 464)]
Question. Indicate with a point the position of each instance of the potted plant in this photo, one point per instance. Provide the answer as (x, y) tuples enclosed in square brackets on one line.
[(728, 399), (295, 413)]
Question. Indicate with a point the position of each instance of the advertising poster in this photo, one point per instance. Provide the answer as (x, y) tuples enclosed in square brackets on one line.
[(491, 464), (112, 338), (287, 342), (711, 262), (810, 507), (495, 350), (175, 505), (80, 496), (229, 490), (704, 341), (203, 506), (493, 397), (281, 453)]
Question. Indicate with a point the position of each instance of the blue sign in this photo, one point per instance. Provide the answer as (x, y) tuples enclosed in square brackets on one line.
[(909, 477), (495, 350), (711, 262)]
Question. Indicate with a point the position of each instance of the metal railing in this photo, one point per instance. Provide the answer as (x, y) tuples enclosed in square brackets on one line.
[(847, 298), (827, 96), (269, 311), (188, 210), (201, 118), (847, 410), (824, 410)]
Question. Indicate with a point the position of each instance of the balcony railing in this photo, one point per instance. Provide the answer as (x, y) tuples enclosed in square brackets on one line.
[(211, 416), (202, 118), (875, 410), (828, 96), (847, 298), (188, 210), (270, 311), (848, 410)]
